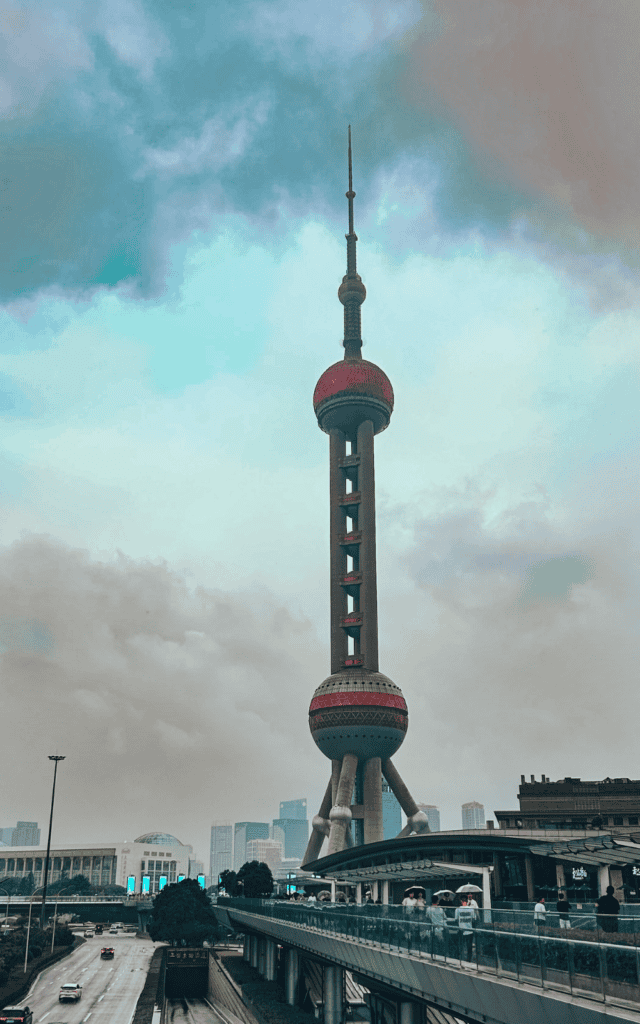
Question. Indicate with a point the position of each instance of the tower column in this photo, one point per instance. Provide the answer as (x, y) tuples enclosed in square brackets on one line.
[(338, 557), (367, 524), (372, 800)]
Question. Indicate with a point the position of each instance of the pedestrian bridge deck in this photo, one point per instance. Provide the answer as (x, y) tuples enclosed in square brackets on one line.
[(512, 976)]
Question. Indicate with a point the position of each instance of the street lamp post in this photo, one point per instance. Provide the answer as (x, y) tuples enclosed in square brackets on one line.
[(55, 758), (26, 948), (6, 913), (55, 913)]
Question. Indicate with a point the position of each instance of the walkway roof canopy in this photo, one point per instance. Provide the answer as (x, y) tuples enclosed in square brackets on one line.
[(430, 855)]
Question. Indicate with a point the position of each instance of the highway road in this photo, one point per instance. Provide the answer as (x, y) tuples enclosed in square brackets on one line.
[(110, 988)]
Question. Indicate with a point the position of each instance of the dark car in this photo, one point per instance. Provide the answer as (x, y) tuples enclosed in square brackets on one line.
[(98, 929), (107, 953), (16, 1015)]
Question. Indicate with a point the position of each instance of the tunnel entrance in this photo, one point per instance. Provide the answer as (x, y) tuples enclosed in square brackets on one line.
[(186, 972)]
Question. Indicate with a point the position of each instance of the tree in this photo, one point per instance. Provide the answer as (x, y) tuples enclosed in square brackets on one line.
[(26, 885), (255, 879), (228, 882), (182, 915)]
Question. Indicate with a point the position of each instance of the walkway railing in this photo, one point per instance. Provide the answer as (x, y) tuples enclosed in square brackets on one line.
[(603, 966)]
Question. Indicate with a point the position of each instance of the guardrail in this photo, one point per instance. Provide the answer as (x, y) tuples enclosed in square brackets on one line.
[(539, 955)]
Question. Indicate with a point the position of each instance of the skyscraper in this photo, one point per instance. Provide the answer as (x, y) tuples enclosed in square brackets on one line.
[(243, 833), (358, 716), (473, 815), (391, 813), (221, 850), (293, 809), (293, 833), (433, 816), (265, 851), (26, 833)]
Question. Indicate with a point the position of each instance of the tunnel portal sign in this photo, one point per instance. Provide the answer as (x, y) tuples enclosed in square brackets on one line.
[(188, 957)]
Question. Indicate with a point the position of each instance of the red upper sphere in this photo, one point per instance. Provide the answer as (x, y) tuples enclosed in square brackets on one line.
[(353, 377)]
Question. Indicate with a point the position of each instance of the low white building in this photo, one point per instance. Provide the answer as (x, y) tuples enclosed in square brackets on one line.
[(151, 857)]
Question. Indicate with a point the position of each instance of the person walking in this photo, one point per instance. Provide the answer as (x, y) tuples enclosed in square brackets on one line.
[(563, 907), (465, 916), (437, 921), (540, 913), (409, 901), (607, 910)]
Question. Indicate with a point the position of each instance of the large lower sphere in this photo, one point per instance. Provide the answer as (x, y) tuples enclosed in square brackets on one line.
[(358, 712)]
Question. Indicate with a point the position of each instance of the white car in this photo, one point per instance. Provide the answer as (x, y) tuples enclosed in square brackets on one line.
[(71, 992), (88, 933)]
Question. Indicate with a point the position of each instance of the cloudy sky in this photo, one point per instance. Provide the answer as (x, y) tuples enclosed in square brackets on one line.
[(172, 193)]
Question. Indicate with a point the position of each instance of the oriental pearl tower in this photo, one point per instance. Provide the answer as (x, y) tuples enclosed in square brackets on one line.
[(358, 716)]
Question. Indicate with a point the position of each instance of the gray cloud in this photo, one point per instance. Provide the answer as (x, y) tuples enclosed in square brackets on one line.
[(173, 707), (528, 648)]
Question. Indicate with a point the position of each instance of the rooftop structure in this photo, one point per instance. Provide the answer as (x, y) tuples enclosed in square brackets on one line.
[(358, 716), (572, 803)]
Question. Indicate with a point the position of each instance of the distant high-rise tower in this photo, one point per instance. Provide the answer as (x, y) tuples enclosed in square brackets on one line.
[(6, 835), (243, 833), (391, 813), (293, 809), (358, 716), (221, 850), (473, 815), (433, 816), (26, 833), (265, 851), (293, 833)]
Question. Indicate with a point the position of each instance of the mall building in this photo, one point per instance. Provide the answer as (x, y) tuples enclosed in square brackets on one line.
[(138, 866)]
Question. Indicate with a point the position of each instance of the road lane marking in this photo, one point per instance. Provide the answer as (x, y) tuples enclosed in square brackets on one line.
[(101, 998), (45, 1015), (87, 1017)]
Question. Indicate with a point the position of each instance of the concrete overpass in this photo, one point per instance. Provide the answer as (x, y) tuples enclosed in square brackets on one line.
[(511, 980)]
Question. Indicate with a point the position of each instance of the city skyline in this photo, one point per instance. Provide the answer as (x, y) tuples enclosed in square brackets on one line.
[(174, 220)]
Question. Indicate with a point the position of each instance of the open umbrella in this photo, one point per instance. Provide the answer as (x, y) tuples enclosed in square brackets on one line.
[(444, 892), (415, 888), (469, 887)]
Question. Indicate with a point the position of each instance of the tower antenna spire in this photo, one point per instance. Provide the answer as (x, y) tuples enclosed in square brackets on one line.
[(350, 193), (352, 292)]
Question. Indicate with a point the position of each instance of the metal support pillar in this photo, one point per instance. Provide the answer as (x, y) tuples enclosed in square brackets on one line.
[(407, 1013), (246, 948), (603, 879), (292, 976), (560, 879), (358, 892), (333, 889), (528, 870), (270, 954), (262, 958), (375, 891), (333, 984), (385, 892), (254, 951), (372, 785)]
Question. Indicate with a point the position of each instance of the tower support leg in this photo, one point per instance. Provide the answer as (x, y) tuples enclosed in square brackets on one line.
[(373, 830), (340, 814), (320, 828), (417, 820)]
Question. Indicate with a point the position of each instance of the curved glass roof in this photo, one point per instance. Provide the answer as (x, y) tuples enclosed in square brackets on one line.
[(158, 839)]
